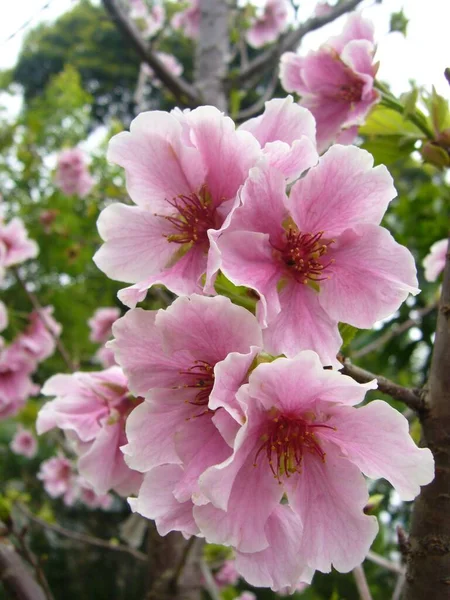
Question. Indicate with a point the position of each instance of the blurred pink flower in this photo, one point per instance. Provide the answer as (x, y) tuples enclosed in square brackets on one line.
[(318, 256), (92, 407), (227, 574), (16, 385), (246, 596), (336, 83), (3, 316), (169, 61), (15, 246), (322, 9), (304, 440), (101, 323), (87, 496), (24, 443), (105, 357), (434, 262), (38, 339), (188, 20), (273, 21), (72, 175), (57, 477)]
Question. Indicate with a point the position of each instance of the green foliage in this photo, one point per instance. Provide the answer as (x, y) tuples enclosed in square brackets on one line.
[(399, 22)]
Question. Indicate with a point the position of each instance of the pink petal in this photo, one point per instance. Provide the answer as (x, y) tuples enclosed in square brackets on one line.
[(329, 497), (302, 324), (158, 166), (156, 501), (434, 262), (342, 191), (355, 28), (135, 244), (358, 55), (293, 160), (376, 439), (330, 115), (282, 564), (291, 66), (371, 276)]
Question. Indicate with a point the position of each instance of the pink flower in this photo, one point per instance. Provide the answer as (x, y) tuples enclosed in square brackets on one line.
[(72, 175), (101, 324), (246, 596), (24, 443), (434, 262), (304, 440), (227, 574), (188, 20), (38, 340), (15, 247), (319, 256), (322, 9), (183, 171), (153, 17), (105, 357), (272, 22), (57, 476), (3, 316), (92, 408), (15, 382), (169, 61), (186, 375), (336, 82), (87, 496)]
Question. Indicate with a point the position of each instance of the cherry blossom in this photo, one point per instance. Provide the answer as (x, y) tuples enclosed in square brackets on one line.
[(16, 385), (15, 246), (188, 20), (171, 64), (92, 408), (318, 256), (72, 175), (38, 339), (153, 16), (58, 479), (3, 316), (336, 82), (304, 440), (273, 21), (434, 262), (24, 443), (101, 324), (227, 574)]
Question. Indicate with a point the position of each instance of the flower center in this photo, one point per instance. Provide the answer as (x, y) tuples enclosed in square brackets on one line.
[(302, 254), (351, 92), (202, 378), (195, 214), (286, 441)]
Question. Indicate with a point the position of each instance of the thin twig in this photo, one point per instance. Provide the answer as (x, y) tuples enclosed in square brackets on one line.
[(40, 311), (410, 397), (180, 88), (385, 563), (291, 40), (399, 587), (257, 107), (361, 583), (81, 537), (210, 583), (394, 331), (27, 554)]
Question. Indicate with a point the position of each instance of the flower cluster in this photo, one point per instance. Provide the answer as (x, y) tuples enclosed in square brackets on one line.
[(72, 175), (188, 20), (336, 82), (100, 325), (153, 17), (273, 21)]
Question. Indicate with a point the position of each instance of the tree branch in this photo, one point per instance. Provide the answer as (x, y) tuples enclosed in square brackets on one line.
[(292, 39), (181, 89), (361, 583), (81, 537), (385, 563), (16, 577), (257, 107), (408, 396)]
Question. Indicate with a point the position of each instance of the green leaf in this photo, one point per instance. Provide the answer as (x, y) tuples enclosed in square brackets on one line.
[(347, 332), (389, 149), (399, 22), (239, 295), (386, 121)]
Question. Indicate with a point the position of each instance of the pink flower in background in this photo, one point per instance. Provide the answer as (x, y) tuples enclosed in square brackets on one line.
[(92, 408), (16, 385), (186, 375), (101, 324), (38, 339), (434, 262), (322, 9), (15, 246), (24, 443), (105, 357), (319, 256), (57, 477), (72, 175), (336, 83), (273, 21), (87, 496), (246, 596), (153, 16), (227, 574), (303, 439), (3, 316), (183, 171), (169, 61), (188, 20)]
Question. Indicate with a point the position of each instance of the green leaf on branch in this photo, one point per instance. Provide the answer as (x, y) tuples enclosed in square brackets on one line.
[(347, 332), (385, 121), (399, 22), (239, 295), (388, 149), (439, 111)]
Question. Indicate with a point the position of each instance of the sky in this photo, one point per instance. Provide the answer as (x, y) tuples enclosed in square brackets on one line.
[(422, 55)]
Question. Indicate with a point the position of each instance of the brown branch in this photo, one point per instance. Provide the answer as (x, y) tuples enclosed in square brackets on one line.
[(394, 331), (385, 563), (257, 107), (428, 549), (292, 39), (361, 583), (180, 88), (410, 397), (81, 537), (40, 311), (16, 578)]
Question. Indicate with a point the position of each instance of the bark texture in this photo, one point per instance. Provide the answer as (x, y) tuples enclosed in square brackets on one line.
[(428, 547), (212, 53)]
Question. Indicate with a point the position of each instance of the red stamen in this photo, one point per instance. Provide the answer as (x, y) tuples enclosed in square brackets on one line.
[(351, 92), (194, 216), (203, 380)]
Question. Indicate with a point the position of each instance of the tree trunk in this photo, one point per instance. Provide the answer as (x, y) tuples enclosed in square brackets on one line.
[(428, 548), (211, 59)]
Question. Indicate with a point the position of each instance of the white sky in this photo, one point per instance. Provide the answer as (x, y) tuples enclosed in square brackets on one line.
[(422, 56)]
